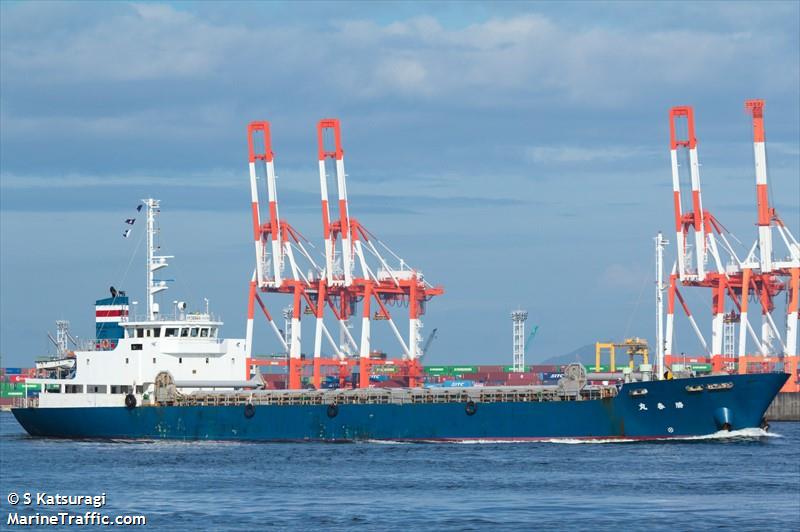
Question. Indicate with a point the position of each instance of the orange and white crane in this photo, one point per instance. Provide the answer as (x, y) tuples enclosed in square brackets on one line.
[(770, 268), (759, 276), (377, 281), (354, 273)]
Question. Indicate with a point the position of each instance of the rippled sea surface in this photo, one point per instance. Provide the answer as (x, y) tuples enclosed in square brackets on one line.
[(745, 482)]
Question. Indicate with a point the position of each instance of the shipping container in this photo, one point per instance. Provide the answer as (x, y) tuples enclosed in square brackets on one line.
[(510, 369), (13, 371), (522, 379), (545, 368), (603, 367), (458, 384)]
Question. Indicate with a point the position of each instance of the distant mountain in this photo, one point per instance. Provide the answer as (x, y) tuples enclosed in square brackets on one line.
[(584, 355)]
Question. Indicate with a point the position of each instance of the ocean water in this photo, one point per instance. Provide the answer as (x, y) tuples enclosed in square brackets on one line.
[(748, 481)]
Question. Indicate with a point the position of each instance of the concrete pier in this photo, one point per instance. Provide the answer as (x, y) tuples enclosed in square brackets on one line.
[(785, 407)]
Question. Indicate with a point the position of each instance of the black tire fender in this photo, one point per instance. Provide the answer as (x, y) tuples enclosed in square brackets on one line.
[(470, 408), (130, 401), (333, 410), (249, 410)]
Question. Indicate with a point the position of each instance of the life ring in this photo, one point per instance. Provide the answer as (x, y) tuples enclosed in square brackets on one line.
[(130, 401), (333, 410), (249, 410), (105, 344), (470, 408)]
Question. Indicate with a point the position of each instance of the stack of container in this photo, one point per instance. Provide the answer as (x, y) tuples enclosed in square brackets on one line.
[(13, 386)]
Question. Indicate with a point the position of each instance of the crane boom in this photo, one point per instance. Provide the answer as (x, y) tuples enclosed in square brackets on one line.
[(529, 341), (429, 341)]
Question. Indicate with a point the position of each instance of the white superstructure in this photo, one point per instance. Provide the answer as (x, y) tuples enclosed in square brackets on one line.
[(187, 346)]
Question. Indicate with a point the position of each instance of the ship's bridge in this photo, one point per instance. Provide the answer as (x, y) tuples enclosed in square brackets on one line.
[(200, 326)]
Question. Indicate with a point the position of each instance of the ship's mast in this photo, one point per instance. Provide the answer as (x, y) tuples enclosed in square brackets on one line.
[(154, 262), (661, 243)]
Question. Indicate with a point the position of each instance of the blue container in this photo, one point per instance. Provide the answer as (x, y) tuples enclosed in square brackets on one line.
[(13, 371), (457, 384)]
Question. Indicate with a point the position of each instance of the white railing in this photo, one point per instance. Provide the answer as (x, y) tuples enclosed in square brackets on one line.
[(175, 316)]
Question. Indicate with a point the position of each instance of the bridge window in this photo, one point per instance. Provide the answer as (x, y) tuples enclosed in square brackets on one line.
[(204, 332), (184, 332), (101, 388), (147, 333), (195, 332), (157, 332), (170, 331), (73, 388), (140, 333), (213, 332)]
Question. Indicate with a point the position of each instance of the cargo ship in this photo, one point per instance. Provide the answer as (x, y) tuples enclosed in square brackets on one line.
[(172, 376), (175, 377)]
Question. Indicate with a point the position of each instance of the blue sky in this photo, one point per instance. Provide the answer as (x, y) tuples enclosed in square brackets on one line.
[(515, 153)]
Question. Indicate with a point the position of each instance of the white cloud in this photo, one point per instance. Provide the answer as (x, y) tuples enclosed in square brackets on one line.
[(578, 154), (626, 277), (527, 54), (214, 178), (145, 42)]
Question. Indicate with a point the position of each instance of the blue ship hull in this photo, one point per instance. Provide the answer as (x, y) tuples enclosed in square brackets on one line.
[(667, 410)]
